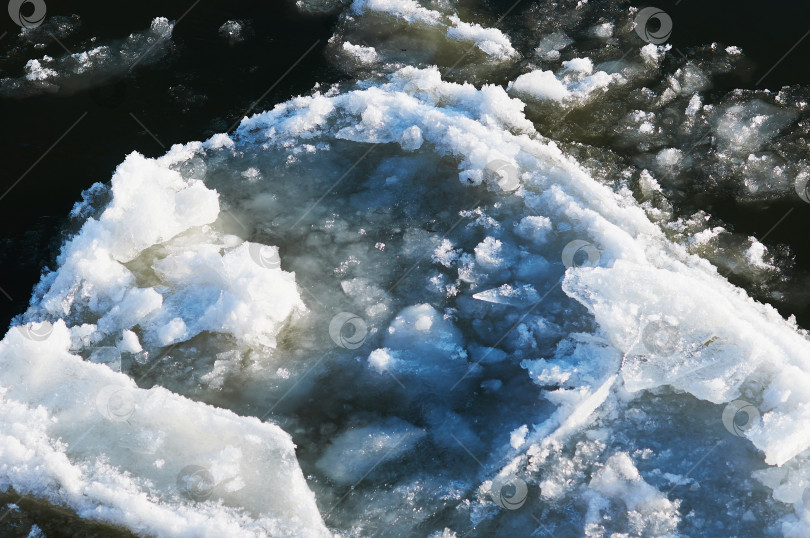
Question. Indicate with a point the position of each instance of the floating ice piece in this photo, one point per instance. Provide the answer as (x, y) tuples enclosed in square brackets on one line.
[(420, 342), (576, 82), (94, 67), (365, 55), (233, 31), (491, 41), (648, 509), (540, 85), (130, 343), (411, 138), (425, 333), (408, 10), (711, 370), (743, 128), (230, 293), (756, 255), (517, 295), (319, 6), (238, 290), (357, 451), (126, 449)]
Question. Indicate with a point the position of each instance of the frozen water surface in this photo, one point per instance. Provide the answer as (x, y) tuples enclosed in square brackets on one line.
[(471, 321)]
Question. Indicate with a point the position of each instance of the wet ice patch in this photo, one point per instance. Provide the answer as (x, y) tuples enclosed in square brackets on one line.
[(358, 451), (746, 127), (407, 10), (233, 31), (648, 510), (120, 447), (365, 55), (491, 41), (550, 45), (577, 81), (433, 295)]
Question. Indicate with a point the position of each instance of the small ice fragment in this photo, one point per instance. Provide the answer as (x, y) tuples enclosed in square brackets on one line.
[(358, 451), (518, 436), (233, 31), (411, 139), (364, 55), (109, 356), (508, 294), (129, 343)]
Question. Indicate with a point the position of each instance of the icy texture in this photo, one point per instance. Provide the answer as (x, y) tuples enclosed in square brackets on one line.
[(419, 33), (356, 452), (201, 282), (366, 55), (233, 31), (576, 81), (490, 40), (495, 325), (408, 10), (94, 67), (320, 6), (81, 435), (640, 278), (504, 263)]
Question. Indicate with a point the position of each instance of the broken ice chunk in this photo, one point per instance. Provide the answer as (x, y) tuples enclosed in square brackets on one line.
[(357, 451), (517, 295)]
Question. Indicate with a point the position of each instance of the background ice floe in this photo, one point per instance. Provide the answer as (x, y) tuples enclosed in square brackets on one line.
[(422, 34), (465, 321), (93, 67)]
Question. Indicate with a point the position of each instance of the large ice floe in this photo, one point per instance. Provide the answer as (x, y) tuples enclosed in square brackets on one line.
[(467, 327)]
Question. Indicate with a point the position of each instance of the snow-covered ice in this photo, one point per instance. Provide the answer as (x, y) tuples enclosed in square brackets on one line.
[(467, 325)]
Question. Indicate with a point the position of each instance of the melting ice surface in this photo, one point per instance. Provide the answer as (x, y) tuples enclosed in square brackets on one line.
[(464, 326)]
